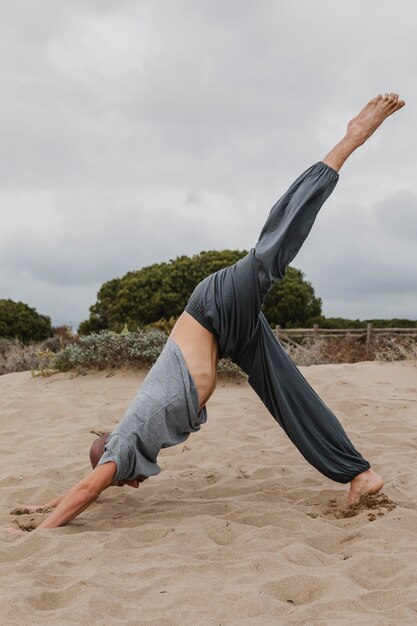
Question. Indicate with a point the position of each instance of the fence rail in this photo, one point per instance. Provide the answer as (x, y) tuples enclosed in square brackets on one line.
[(285, 334)]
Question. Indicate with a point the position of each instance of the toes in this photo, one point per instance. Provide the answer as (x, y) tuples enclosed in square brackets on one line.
[(395, 106), (386, 101), (389, 102), (376, 99)]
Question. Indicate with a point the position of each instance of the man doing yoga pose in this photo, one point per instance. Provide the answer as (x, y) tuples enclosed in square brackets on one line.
[(223, 318)]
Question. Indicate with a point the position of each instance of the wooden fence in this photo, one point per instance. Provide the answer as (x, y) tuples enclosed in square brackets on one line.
[(285, 334)]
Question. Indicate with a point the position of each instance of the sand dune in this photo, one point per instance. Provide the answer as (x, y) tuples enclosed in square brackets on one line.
[(237, 530)]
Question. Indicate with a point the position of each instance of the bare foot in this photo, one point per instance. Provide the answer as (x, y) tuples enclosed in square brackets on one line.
[(376, 111), (364, 484), (362, 127)]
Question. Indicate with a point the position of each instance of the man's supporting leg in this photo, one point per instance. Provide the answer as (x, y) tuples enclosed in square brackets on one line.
[(307, 421)]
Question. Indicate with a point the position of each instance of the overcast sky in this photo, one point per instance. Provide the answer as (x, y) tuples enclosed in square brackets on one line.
[(136, 131)]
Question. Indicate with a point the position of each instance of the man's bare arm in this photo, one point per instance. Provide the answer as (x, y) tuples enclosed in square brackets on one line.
[(80, 496)]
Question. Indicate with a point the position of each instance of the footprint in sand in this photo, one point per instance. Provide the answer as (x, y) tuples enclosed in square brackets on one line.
[(378, 503), (242, 473), (22, 510), (211, 479), (27, 526), (29, 523)]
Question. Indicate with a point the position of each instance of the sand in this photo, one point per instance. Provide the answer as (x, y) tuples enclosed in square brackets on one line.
[(237, 529)]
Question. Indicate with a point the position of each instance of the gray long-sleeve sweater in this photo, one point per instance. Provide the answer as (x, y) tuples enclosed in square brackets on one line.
[(163, 413)]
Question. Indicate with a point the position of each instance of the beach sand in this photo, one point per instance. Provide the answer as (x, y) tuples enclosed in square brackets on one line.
[(237, 529)]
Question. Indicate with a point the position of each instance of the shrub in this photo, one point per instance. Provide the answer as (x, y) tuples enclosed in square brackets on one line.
[(20, 321), (110, 349)]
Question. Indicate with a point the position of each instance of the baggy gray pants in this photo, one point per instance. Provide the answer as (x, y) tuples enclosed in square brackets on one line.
[(228, 303)]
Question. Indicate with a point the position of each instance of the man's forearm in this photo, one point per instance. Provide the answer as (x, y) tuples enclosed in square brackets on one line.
[(80, 496), (70, 505)]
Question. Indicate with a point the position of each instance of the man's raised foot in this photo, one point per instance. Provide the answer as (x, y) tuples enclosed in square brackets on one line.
[(362, 126)]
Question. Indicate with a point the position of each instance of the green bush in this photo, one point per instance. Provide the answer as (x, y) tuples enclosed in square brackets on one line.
[(157, 293), (110, 349), (20, 321)]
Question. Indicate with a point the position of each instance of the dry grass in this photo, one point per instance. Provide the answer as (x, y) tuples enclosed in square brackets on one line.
[(322, 350), (138, 349), (17, 357), (397, 349)]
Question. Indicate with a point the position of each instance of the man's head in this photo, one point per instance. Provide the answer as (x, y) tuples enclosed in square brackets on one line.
[(97, 449), (96, 452)]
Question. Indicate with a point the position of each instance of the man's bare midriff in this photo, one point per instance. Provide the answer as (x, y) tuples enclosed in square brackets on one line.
[(200, 351)]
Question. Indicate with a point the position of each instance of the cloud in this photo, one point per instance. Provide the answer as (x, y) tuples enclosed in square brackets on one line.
[(136, 132), (397, 215)]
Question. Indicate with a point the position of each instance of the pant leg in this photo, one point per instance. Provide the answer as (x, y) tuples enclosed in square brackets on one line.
[(307, 421), (290, 221), (229, 301)]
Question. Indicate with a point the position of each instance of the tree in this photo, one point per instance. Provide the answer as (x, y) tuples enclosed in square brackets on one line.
[(20, 321), (291, 302), (159, 292)]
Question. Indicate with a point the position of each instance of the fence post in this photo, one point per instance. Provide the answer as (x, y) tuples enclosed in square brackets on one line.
[(316, 330), (277, 330), (368, 339)]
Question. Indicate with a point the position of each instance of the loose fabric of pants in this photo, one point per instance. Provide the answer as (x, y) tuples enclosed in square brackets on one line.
[(228, 303)]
